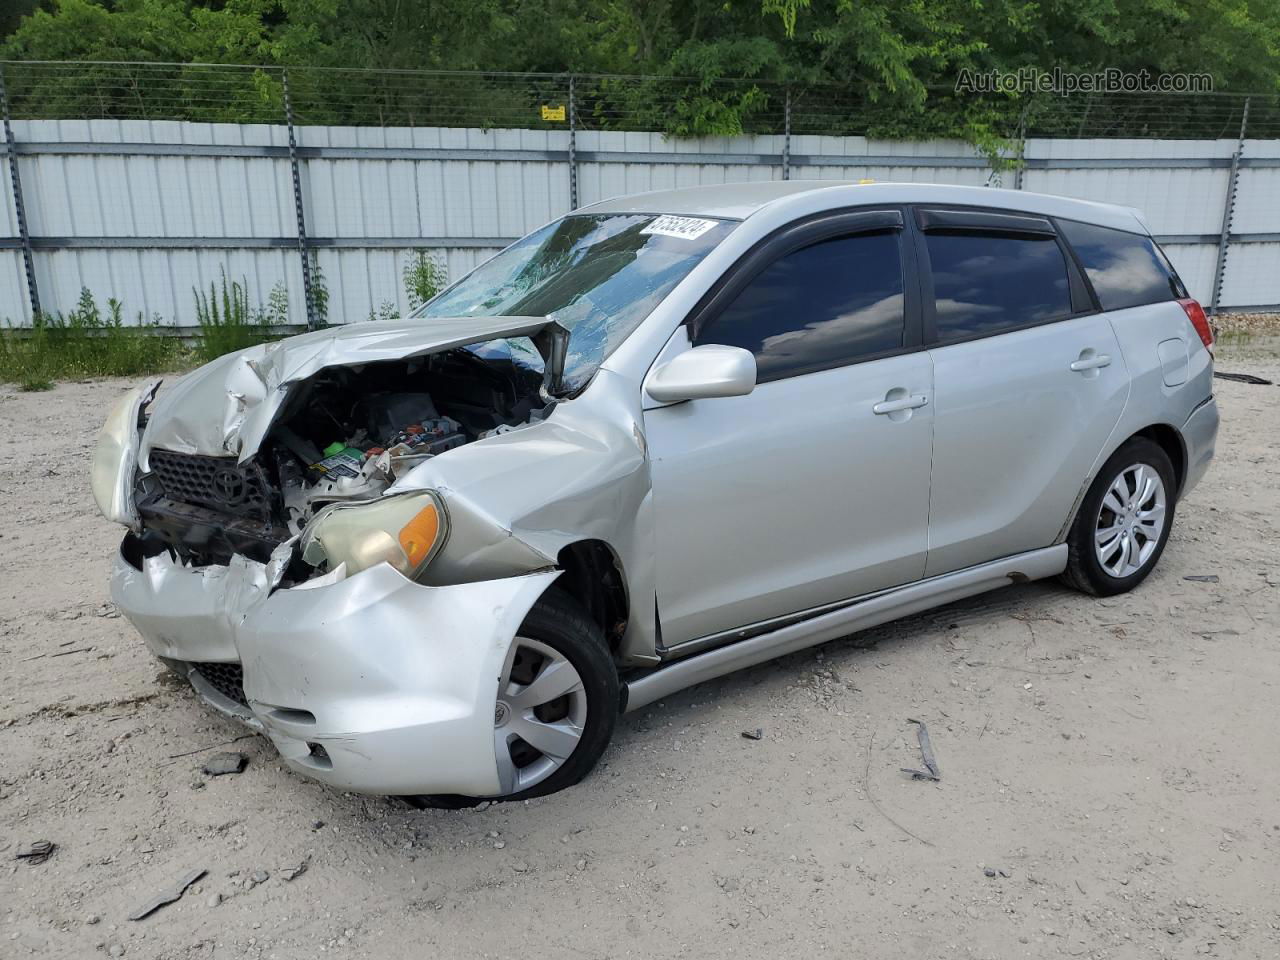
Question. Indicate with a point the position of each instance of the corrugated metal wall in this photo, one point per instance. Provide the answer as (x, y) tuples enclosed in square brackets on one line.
[(146, 211)]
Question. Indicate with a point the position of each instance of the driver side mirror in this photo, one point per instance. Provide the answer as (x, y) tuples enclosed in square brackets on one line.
[(712, 370)]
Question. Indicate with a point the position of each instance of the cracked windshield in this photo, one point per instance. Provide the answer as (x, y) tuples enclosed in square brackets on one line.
[(598, 276)]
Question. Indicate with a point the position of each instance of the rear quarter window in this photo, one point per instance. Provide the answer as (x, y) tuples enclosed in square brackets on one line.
[(1126, 269), (989, 283)]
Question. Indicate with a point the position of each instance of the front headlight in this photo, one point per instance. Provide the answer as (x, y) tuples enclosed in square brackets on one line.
[(405, 530), (115, 456)]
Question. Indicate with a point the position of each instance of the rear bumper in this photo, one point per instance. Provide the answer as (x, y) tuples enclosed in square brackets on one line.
[(373, 683), (1200, 434)]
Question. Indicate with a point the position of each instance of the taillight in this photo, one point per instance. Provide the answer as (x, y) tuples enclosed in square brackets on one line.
[(1195, 313)]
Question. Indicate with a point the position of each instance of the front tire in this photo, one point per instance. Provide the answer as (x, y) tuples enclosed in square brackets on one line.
[(558, 700), (1124, 521)]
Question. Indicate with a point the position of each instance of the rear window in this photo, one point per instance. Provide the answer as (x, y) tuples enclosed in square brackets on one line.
[(1126, 269), (987, 283)]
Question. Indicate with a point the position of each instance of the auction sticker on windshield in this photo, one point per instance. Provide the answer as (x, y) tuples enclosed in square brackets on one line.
[(686, 228)]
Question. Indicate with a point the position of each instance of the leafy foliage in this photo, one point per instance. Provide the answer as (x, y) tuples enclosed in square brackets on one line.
[(226, 321), (880, 67), (424, 276), (84, 343)]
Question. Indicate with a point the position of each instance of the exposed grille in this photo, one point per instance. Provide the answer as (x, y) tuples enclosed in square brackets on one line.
[(219, 483), (226, 678)]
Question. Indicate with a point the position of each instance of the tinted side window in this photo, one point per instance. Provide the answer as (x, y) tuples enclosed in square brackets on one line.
[(986, 283), (1126, 269), (828, 304)]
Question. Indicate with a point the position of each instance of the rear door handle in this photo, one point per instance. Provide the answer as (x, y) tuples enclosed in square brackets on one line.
[(903, 403), (1091, 363)]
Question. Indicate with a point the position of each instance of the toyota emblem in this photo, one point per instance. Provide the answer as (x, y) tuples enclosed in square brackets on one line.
[(228, 486)]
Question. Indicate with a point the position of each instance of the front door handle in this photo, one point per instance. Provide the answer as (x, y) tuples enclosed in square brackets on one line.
[(1091, 363), (909, 402)]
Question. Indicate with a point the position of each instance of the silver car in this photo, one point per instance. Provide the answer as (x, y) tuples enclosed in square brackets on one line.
[(660, 439)]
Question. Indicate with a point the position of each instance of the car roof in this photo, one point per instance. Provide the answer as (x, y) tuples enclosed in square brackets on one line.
[(738, 201)]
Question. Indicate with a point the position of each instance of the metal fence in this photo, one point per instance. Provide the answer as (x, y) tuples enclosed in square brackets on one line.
[(145, 181)]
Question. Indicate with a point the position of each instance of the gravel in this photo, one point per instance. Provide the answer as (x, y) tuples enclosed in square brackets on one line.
[(1161, 797)]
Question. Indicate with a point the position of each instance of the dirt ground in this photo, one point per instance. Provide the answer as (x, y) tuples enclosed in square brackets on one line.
[(1109, 777)]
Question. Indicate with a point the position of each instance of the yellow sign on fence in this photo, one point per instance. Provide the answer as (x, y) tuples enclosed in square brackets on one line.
[(553, 113)]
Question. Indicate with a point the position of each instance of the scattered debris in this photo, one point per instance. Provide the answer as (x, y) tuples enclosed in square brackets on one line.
[(37, 851), (293, 873), (756, 734), (931, 771), (168, 895), (192, 753), (1242, 378), (224, 763), (866, 787), (1203, 578)]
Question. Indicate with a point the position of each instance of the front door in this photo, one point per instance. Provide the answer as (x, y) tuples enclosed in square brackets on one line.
[(814, 488)]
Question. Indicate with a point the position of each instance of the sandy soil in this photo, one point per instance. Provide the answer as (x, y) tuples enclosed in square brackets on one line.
[(1112, 762)]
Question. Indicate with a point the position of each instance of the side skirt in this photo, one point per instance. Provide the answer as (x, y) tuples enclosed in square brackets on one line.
[(831, 624)]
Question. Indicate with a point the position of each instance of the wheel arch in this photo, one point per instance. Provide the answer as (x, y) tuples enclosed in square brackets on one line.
[(1169, 439), (593, 575), (1164, 435)]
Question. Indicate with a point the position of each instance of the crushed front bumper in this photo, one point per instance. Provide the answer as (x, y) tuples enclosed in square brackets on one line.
[(372, 683)]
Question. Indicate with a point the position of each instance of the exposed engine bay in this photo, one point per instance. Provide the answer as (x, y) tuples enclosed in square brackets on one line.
[(345, 434)]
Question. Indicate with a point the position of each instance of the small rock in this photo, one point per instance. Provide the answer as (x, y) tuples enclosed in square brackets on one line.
[(989, 872), (581, 865), (92, 919), (317, 824), (499, 844), (756, 734), (520, 867), (213, 900), (223, 763), (260, 876), (115, 950), (292, 873)]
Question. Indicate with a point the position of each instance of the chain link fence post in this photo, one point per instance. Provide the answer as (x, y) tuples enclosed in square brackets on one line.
[(303, 251), (786, 134), (1228, 213), (573, 144), (1021, 157), (15, 179)]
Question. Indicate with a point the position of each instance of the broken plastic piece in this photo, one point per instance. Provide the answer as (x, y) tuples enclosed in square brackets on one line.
[(224, 763), (168, 895), (926, 754)]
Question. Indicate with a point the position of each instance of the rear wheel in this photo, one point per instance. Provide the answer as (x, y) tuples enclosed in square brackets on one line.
[(1124, 521), (556, 706)]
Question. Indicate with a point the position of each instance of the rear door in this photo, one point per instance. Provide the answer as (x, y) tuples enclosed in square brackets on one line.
[(815, 487), (1029, 382)]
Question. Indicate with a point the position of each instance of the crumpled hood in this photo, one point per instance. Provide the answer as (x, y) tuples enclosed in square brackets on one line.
[(227, 406)]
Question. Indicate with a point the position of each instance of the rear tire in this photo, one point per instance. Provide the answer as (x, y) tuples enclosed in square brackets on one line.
[(557, 637), (1124, 521)]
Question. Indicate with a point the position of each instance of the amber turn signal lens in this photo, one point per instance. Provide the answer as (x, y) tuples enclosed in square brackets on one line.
[(418, 536)]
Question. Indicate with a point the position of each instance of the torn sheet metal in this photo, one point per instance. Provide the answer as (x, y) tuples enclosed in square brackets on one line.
[(227, 406), (188, 613)]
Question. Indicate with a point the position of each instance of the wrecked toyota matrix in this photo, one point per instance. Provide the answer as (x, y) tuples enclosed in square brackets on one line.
[(655, 441)]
